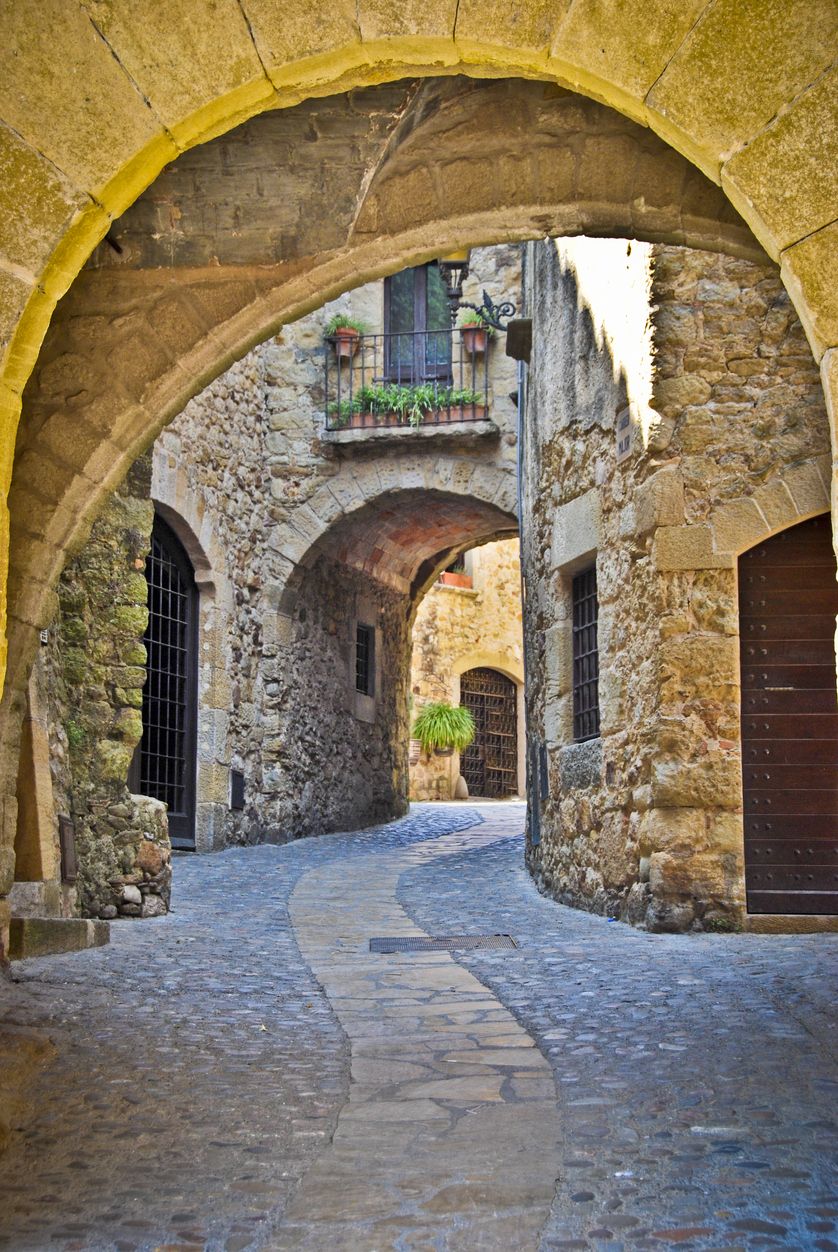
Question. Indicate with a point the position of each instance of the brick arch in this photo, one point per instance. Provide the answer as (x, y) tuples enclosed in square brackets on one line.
[(401, 535)]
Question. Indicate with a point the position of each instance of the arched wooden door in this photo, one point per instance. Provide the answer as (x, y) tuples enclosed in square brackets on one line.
[(167, 755), (788, 599), (490, 764)]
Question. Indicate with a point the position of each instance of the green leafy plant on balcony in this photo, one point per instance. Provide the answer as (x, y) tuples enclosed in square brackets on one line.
[(343, 321), (409, 403)]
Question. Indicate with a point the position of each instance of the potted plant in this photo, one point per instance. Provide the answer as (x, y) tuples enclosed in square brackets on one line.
[(474, 331), (345, 333), (443, 728)]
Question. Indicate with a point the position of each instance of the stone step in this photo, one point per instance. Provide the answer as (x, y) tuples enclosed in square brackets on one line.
[(43, 936)]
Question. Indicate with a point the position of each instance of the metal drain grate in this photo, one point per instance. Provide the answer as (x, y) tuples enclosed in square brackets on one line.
[(440, 943)]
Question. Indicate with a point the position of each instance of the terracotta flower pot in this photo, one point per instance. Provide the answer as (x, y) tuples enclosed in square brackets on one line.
[(475, 338), (347, 340), (449, 579)]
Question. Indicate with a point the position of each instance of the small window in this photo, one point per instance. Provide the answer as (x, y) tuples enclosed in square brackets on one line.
[(585, 657), (236, 789), (365, 660)]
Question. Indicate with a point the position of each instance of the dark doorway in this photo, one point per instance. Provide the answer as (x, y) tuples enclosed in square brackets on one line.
[(788, 599), (167, 756), (490, 764)]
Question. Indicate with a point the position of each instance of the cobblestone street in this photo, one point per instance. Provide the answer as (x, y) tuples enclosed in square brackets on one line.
[(244, 1073)]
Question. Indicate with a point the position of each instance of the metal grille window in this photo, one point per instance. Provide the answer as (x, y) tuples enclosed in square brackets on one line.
[(167, 751), (365, 659), (585, 656)]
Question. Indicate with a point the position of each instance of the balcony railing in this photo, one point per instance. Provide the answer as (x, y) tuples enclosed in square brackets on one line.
[(408, 379)]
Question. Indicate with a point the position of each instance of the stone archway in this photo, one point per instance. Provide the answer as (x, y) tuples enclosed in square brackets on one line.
[(80, 174), (343, 744), (679, 77)]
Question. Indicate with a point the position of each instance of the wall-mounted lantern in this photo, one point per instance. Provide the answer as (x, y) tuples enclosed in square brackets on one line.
[(455, 270)]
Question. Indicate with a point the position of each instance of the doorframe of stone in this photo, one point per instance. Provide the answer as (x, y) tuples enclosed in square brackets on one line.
[(185, 512)]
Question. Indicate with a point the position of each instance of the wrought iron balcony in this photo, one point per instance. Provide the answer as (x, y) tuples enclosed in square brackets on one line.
[(410, 379)]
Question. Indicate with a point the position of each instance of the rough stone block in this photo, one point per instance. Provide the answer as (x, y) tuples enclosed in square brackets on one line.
[(810, 272), (581, 766), (790, 170), (94, 132), (776, 505), (737, 526), (671, 395), (716, 90), (558, 657), (576, 530), (713, 780), (43, 936), (659, 501), (687, 548), (808, 489), (670, 829)]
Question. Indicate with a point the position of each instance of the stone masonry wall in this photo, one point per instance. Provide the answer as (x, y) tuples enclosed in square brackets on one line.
[(95, 667), (241, 475), (730, 443), (461, 628), (243, 467)]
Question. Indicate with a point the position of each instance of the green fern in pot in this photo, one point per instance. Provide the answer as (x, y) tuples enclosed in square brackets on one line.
[(444, 728)]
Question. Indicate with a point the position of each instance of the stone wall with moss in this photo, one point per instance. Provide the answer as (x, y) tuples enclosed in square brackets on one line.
[(95, 676), (698, 362)]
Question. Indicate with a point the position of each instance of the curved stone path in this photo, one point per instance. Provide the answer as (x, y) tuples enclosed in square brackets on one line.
[(450, 1132), (245, 1074)]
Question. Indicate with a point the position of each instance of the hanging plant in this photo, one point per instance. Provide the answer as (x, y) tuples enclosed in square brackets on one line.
[(474, 331), (444, 728), (345, 333)]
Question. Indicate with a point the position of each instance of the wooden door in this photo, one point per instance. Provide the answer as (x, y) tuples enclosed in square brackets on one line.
[(788, 600), (490, 764)]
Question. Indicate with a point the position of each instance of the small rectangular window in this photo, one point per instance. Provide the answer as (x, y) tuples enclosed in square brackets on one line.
[(365, 659), (236, 789), (585, 657)]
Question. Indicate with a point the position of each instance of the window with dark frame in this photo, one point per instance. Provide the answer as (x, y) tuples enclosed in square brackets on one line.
[(418, 325), (585, 656), (365, 659)]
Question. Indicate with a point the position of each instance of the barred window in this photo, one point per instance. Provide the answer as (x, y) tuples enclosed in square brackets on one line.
[(365, 659), (585, 656)]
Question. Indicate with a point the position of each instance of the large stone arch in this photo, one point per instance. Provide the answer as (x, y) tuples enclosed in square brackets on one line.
[(747, 95), (144, 329)]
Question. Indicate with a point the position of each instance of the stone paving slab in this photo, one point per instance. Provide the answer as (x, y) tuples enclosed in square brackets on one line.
[(696, 1074), (445, 1141), (225, 1083), (200, 1068)]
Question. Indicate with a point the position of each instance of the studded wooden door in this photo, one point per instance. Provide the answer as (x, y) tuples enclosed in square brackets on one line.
[(490, 764), (788, 599), (167, 756)]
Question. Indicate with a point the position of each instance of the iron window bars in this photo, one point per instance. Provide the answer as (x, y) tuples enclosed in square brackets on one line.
[(365, 659), (585, 656)]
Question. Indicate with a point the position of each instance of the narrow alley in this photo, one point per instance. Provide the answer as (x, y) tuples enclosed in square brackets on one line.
[(246, 1073)]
